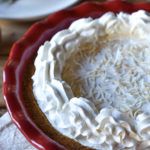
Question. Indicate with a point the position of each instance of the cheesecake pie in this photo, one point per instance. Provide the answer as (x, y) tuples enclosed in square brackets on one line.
[(91, 83)]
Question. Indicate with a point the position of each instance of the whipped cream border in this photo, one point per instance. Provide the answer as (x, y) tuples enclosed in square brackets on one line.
[(78, 118)]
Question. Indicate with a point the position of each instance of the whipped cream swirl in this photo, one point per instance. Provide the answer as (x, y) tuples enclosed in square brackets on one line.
[(92, 81)]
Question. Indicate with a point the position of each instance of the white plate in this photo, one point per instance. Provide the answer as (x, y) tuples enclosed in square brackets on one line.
[(24, 10)]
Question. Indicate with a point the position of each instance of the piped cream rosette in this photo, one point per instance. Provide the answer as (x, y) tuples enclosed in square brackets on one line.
[(92, 81)]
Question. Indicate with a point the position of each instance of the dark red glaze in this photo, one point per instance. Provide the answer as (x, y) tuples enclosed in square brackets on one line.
[(28, 45)]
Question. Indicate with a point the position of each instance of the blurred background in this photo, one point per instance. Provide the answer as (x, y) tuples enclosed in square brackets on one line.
[(16, 16)]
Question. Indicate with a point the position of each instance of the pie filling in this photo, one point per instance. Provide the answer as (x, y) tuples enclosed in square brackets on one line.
[(92, 81)]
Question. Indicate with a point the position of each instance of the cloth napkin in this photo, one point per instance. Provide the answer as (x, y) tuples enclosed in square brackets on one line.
[(10, 136)]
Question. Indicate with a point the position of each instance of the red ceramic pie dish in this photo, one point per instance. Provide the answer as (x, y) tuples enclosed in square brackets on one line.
[(23, 50)]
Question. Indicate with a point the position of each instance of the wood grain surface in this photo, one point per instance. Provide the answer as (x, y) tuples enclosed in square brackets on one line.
[(3, 60)]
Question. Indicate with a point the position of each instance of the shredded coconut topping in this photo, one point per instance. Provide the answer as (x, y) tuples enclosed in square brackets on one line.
[(112, 72)]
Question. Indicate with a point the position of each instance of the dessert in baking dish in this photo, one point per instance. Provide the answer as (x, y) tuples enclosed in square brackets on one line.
[(92, 82)]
